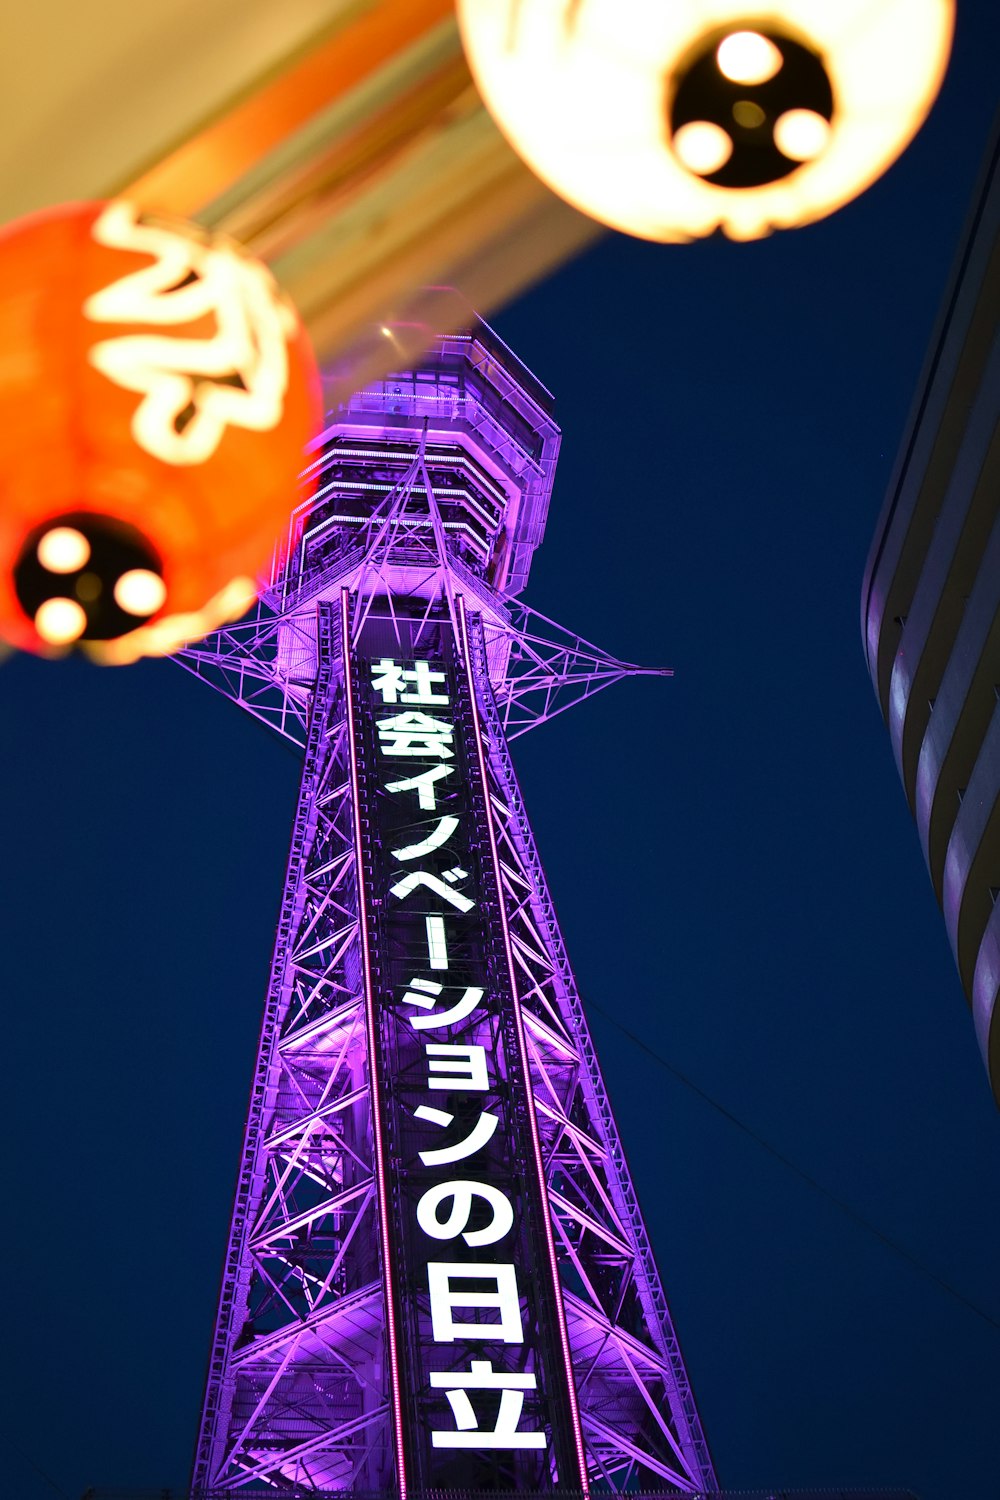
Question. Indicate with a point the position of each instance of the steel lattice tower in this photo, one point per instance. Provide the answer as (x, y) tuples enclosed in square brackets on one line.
[(437, 1275)]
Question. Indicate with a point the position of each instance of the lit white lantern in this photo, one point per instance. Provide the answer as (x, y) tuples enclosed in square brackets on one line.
[(673, 118)]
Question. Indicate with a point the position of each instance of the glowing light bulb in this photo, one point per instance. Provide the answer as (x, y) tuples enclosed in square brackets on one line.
[(703, 147), (748, 114), (60, 621), (801, 134), (748, 57), (140, 592), (89, 588), (63, 549)]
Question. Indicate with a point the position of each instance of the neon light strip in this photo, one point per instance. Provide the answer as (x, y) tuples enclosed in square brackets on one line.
[(373, 1081), (399, 448), (440, 460), (418, 522), (460, 495), (377, 487), (581, 1456)]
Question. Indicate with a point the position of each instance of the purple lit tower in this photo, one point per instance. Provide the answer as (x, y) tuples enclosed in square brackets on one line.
[(437, 1275)]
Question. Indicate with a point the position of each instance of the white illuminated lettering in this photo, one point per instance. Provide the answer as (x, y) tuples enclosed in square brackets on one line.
[(442, 833), (423, 785), (481, 1376), (470, 1299), (389, 679), (462, 1196), (445, 1301), (410, 883), (434, 1116), (437, 947), (445, 1156), (420, 994), (416, 734), (454, 1067)]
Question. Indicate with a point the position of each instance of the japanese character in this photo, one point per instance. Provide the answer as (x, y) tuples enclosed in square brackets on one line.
[(389, 679), (193, 387), (444, 1300), (462, 1195), (482, 1377), (445, 1156), (423, 785), (437, 946), (442, 833), (467, 1063), (434, 1116), (416, 734), (409, 883), (427, 987), (424, 992)]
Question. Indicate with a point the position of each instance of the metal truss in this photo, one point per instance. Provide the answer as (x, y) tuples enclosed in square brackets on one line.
[(300, 1494), (247, 663), (293, 1395), (548, 668), (636, 1404), (296, 1399), (267, 663)]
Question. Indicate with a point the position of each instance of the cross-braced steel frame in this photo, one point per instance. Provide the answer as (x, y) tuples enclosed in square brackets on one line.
[(298, 1392)]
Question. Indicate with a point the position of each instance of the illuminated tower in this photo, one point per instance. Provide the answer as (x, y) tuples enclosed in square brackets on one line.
[(437, 1275)]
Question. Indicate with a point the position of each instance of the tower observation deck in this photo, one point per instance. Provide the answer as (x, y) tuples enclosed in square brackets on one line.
[(437, 1274)]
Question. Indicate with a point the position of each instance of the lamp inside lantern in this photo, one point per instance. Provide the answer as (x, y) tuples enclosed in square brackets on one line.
[(672, 119)]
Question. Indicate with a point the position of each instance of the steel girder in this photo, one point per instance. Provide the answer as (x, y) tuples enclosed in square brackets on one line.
[(635, 1399), (301, 1401), (539, 667), (294, 1394), (297, 1386)]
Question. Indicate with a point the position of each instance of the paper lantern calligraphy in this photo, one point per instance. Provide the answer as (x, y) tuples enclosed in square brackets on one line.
[(157, 392)]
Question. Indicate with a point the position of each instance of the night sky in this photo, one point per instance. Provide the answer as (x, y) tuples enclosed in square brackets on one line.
[(734, 864)]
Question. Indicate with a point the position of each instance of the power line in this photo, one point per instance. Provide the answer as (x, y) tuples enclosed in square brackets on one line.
[(32, 1465), (845, 1208)]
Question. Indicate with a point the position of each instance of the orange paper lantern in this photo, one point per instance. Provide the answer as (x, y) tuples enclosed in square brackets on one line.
[(157, 391)]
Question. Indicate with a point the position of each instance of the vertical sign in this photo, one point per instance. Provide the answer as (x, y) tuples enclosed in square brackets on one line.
[(481, 1379)]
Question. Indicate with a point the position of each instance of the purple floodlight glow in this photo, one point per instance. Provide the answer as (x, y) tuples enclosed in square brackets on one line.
[(348, 1302)]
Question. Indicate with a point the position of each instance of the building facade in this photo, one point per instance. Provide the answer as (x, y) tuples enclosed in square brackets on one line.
[(437, 1275), (931, 612)]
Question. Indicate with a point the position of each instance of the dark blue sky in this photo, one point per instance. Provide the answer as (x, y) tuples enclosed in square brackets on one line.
[(734, 864)]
